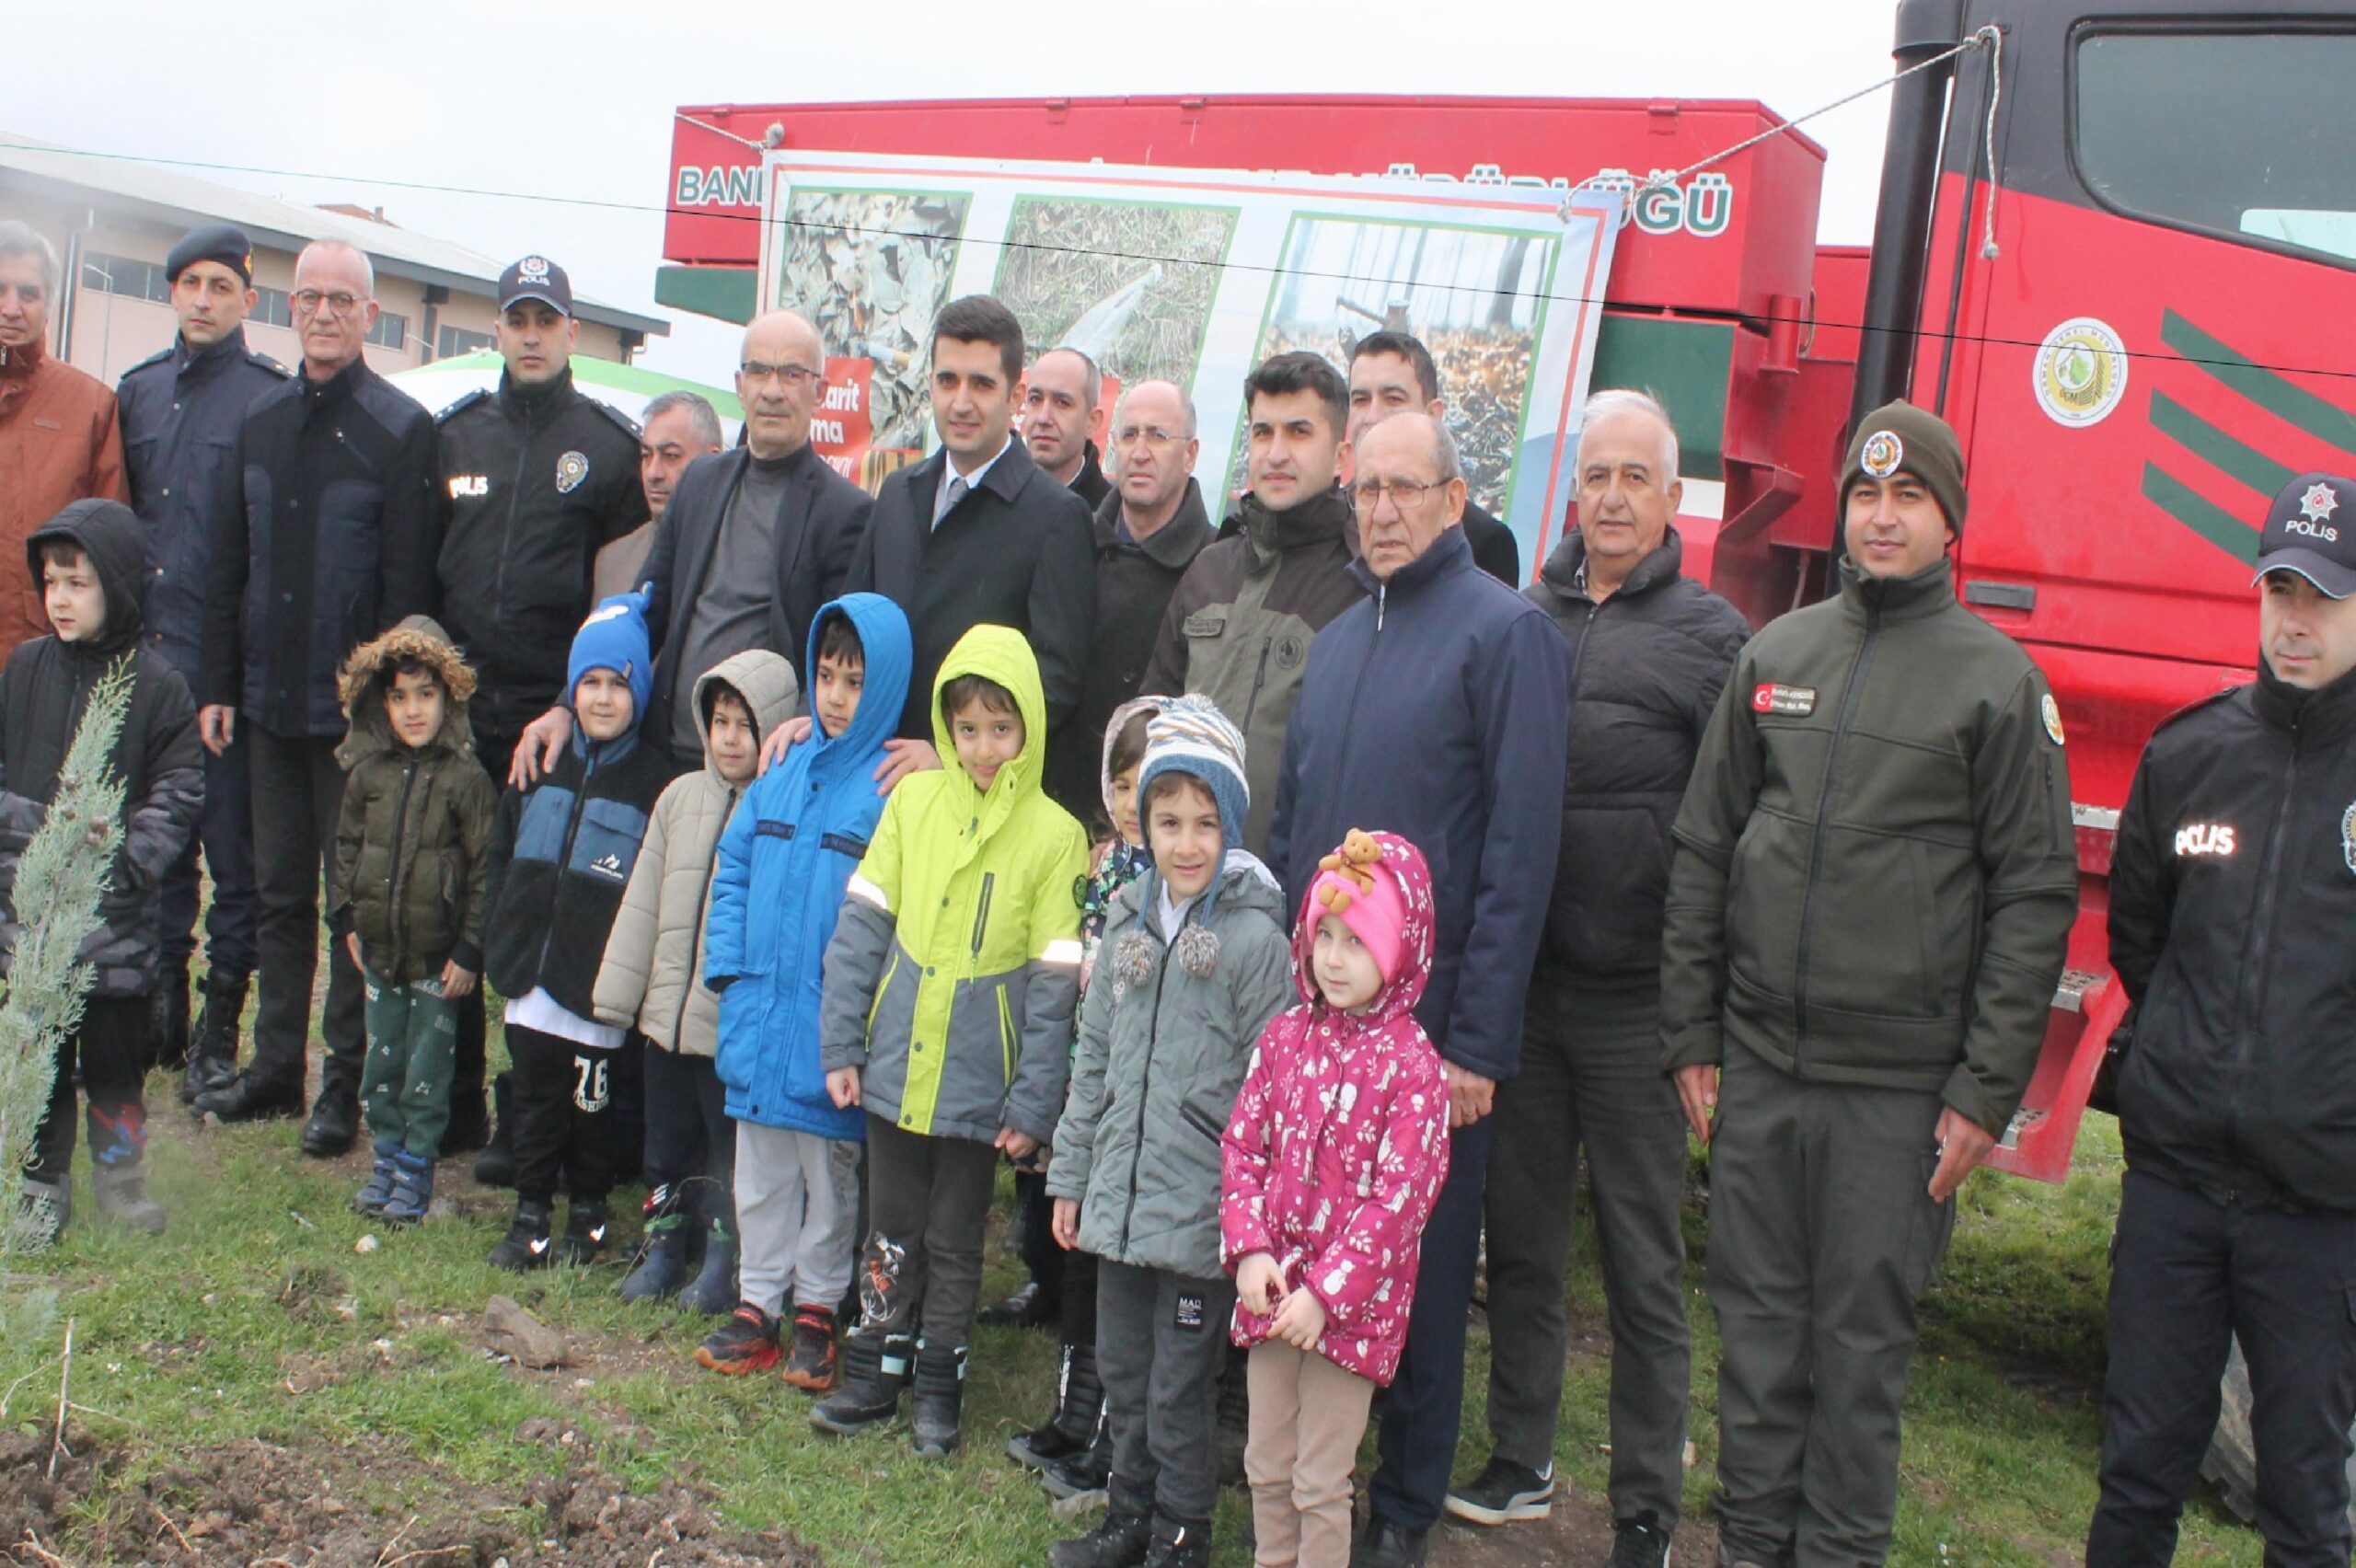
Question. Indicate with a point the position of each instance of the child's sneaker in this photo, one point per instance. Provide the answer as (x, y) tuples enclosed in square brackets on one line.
[(746, 1342), (379, 1185), (812, 1365), (584, 1231), (412, 1190), (525, 1245)]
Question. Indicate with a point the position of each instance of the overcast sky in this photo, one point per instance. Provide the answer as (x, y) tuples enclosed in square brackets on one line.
[(575, 99)]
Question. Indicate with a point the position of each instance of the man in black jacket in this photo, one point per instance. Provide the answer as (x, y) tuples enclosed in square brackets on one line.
[(1391, 373), (1061, 421), (754, 541), (181, 409), (2232, 890), (1649, 653), (539, 476), (977, 533), (332, 541)]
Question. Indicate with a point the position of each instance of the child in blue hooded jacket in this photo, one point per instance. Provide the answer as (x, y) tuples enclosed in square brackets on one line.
[(785, 859)]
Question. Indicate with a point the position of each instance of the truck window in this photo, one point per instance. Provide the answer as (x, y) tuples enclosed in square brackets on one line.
[(2237, 134)]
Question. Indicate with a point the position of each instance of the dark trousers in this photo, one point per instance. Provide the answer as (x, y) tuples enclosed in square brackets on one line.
[(1824, 1237), (1427, 1398), (1035, 1219), (927, 1198), (1161, 1344), (111, 1047), (1080, 1298), (297, 792), (2188, 1276), (567, 1121), (225, 831), (1590, 1080), (495, 752), (690, 1142)]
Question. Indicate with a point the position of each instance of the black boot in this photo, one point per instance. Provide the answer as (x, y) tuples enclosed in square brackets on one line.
[(495, 1166), (585, 1224), (334, 1126), (663, 1262), (1179, 1543), (254, 1095), (212, 1050), (714, 1290), (1119, 1540), (169, 1040), (875, 1369), (937, 1413), (1079, 1402), (525, 1245)]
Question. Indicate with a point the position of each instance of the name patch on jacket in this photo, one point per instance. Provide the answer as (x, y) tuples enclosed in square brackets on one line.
[(2205, 838), (844, 844), (1205, 625), (464, 485), (768, 829), (1773, 696)]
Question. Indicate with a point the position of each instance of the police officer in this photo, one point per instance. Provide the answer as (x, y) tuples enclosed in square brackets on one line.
[(1874, 882), (540, 478), (2232, 892), (181, 408)]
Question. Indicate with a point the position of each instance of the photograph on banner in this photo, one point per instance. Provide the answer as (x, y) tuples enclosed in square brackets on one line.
[(1472, 295), (870, 268), (1130, 285)]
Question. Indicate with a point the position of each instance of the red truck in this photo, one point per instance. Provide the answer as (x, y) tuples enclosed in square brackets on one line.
[(2123, 275)]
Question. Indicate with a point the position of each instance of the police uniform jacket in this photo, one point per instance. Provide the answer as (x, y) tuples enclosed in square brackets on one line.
[(2233, 895)]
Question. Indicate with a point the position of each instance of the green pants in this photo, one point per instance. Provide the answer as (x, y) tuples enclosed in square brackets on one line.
[(1823, 1238), (413, 1040)]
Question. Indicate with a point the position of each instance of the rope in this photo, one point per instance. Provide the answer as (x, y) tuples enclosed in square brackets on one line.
[(1995, 95)]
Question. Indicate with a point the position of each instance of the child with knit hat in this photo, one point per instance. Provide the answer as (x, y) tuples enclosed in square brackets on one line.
[(1334, 1157), (560, 859), (1194, 962)]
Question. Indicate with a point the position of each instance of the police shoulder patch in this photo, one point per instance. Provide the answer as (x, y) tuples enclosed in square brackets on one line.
[(159, 357), (284, 373), (622, 421), (452, 411), (2050, 711)]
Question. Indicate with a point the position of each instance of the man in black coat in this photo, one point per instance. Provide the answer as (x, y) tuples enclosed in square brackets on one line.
[(977, 533), (1391, 373), (333, 540), (1650, 651), (754, 541), (1062, 424)]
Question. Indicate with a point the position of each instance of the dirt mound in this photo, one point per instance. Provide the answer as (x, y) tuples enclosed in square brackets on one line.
[(258, 1502)]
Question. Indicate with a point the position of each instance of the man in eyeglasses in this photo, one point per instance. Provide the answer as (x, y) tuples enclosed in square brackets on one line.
[(331, 541), (1438, 707)]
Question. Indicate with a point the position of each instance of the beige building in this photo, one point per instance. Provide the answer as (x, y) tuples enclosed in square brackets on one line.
[(114, 220)]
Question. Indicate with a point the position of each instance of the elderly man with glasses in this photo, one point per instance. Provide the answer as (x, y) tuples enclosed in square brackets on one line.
[(330, 540)]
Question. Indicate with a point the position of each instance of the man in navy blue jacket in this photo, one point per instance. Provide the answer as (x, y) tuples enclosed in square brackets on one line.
[(1435, 709)]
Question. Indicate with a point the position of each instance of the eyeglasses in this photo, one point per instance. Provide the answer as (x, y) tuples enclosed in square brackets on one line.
[(1152, 435), (1404, 493), (792, 374), (306, 302)]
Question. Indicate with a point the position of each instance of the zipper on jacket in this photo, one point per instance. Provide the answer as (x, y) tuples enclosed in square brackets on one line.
[(1145, 1090), (695, 942), (982, 917), (2258, 953), (1259, 679), (1823, 815), (507, 529), (393, 883), (564, 854)]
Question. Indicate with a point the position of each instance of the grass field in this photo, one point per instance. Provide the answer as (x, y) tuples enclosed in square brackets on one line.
[(255, 1318)]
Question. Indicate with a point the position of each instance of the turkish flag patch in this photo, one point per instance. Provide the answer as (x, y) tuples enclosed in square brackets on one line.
[(1773, 696)]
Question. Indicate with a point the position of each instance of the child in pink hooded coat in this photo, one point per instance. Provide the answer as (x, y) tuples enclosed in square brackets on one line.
[(1332, 1161)]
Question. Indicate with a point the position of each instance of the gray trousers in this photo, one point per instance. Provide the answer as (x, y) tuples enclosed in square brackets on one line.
[(797, 1217), (1161, 1342), (1823, 1238), (1590, 1080)]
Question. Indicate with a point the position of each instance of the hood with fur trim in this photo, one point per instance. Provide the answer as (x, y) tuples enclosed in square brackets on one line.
[(364, 675)]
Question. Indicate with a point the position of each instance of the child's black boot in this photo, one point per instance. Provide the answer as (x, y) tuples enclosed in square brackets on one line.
[(1080, 1399), (1119, 1540), (1179, 1543), (585, 1224), (938, 1410), (875, 1369), (663, 1266), (714, 1290), (525, 1245)]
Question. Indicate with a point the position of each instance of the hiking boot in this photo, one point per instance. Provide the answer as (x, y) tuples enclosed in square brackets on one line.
[(1504, 1492), (495, 1166), (746, 1342), (1028, 1308), (662, 1265), (587, 1220), (412, 1190), (42, 1210), (1179, 1543), (714, 1290), (1386, 1545), (370, 1199), (937, 1409), (875, 1369), (1640, 1542), (122, 1193), (1119, 1540), (167, 1021), (812, 1365), (254, 1096), (213, 1048), (525, 1245), (1080, 1402), (334, 1126)]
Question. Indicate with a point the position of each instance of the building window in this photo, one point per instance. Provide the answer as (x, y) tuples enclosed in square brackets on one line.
[(271, 309), (456, 340), (126, 277), (391, 330)]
